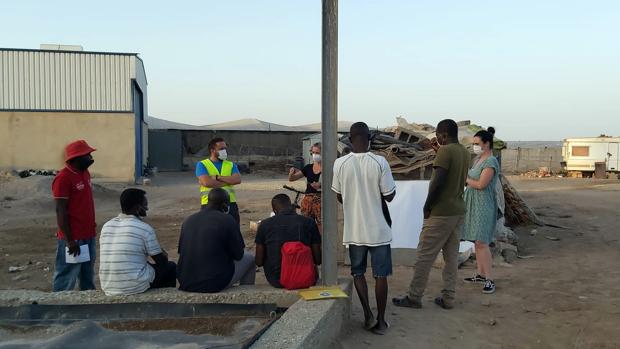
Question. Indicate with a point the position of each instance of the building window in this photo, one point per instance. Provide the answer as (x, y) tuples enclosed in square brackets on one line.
[(581, 151)]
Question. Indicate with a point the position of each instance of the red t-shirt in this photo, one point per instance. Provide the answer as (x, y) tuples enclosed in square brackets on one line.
[(75, 186)]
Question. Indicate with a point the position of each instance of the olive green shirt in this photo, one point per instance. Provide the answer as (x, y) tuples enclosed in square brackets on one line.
[(454, 158)]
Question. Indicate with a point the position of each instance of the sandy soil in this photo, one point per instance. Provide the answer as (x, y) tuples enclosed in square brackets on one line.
[(27, 218), (566, 296)]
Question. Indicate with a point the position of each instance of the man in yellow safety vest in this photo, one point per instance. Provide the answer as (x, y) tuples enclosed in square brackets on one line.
[(217, 172)]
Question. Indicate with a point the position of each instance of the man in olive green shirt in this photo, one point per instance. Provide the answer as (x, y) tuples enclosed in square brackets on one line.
[(443, 216)]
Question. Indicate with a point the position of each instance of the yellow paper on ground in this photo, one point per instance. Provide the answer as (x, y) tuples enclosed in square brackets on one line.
[(318, 293)]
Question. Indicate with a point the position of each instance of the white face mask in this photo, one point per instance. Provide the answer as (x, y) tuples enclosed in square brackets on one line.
[(477, 149), (316, 157), (222, 154)]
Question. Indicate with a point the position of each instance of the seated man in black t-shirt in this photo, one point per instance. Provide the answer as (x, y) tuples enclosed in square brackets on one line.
[(285, 226), (212, 255)]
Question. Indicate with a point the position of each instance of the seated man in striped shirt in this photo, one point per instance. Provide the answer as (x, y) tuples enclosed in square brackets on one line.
[(126, 243)]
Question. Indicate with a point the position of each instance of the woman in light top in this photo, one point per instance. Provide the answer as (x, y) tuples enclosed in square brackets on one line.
[(481, 205), (311, 204)]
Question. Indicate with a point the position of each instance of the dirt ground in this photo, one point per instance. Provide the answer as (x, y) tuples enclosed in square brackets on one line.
[(566, 296)]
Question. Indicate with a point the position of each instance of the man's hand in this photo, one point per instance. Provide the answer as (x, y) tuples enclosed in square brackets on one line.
[(74, 248), (435, 145), (316, 185)]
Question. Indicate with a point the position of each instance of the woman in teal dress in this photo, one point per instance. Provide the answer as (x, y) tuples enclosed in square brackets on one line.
[(481, 205)]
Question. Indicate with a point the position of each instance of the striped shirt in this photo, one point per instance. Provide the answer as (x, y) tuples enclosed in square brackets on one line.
[(125, 244)]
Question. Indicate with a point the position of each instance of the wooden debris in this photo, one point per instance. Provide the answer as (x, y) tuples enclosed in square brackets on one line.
[(517, 211)]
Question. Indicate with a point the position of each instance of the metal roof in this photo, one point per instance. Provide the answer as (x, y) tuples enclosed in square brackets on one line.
[(249, 125), (50, 80), (242, 125)]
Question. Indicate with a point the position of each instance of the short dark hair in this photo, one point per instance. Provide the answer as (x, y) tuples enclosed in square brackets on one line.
[(213, 143), (359, 129), (130, 198), (315, 145), (448, 126), (281, 200), (492, 130), (218, 196), (485, 136)]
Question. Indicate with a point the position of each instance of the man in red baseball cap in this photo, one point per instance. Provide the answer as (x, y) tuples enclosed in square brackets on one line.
[(75, 214)]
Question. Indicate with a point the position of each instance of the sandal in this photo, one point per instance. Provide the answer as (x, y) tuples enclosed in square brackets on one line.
[(382, 331), (369, 324), (442, 303)]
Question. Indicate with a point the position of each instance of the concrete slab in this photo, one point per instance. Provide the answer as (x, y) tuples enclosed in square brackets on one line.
[(309, 324), (235, 295), (306, 324)]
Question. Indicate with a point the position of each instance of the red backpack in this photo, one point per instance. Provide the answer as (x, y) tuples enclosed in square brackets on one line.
[(298, 270)]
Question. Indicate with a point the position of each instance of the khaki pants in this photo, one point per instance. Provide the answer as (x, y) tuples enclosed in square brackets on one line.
[(438, 233)]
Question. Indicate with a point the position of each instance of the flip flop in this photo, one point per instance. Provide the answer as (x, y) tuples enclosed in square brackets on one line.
[(380, 332), (406, 302), (369, 324)]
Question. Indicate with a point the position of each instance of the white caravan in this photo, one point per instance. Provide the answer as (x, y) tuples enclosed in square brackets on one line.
[(580, 154)]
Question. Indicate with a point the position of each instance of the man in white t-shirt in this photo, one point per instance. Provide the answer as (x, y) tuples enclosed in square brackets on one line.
[(363, 181), (126, 243)]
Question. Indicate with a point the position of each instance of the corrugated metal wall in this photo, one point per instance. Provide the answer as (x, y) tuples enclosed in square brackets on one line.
[(71, 81)]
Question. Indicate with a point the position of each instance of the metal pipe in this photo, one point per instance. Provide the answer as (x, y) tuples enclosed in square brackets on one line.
[(329, 139)]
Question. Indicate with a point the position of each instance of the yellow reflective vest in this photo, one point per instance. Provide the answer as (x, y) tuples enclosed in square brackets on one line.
[(227, 168)]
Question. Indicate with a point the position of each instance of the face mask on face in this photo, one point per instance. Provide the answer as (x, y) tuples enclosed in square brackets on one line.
[(316, 157), (83, 163), (477, 149), (222, 154)]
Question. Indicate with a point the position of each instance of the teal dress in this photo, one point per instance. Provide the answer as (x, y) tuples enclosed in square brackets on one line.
[(481, 205)]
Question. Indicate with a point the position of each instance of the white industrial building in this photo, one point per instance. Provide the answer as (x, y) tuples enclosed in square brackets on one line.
[(57, 94)]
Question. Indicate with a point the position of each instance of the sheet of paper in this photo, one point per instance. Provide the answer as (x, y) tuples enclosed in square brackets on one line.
[(84, 255), (407, 213), (318, 293)]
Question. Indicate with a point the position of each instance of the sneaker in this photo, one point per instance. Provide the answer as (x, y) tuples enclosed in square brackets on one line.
[(489, 287), (476, 279)]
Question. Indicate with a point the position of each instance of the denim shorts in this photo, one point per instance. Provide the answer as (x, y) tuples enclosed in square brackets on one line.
[(380, 260)]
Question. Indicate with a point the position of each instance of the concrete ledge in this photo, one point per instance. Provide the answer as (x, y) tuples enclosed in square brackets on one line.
[(309, 324), (235, 295)]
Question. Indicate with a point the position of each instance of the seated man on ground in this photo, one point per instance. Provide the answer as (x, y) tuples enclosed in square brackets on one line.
[(286, 226), (212, 254), (126, 243)]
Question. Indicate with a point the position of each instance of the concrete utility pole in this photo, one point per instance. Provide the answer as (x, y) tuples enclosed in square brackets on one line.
[(329, 139)]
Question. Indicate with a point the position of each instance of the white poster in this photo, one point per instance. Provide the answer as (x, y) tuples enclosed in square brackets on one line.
[(407, 214)]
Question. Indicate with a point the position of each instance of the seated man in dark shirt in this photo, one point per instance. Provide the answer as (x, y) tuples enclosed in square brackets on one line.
[(285, 226), (212, 254)]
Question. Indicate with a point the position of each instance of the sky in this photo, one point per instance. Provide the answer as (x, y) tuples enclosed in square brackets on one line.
[(536, 70)]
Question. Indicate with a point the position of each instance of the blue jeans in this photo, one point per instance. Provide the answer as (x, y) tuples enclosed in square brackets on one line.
[(67, 274)]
